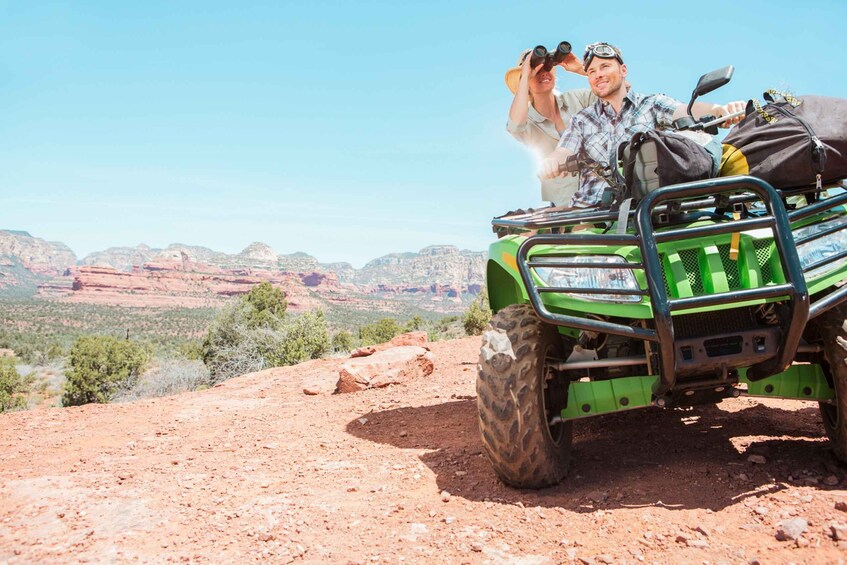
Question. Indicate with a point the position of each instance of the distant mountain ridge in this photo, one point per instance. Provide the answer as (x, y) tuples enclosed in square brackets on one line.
[(26, 260), (433, 278), (435, 264), (35, 252)]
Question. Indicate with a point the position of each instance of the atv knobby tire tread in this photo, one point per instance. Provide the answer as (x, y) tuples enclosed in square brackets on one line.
[(831, 328), (510, 400)]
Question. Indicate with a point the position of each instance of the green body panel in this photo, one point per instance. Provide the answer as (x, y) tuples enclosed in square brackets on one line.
[(604, 397), (593, 398), (802, 382), (502, 277)]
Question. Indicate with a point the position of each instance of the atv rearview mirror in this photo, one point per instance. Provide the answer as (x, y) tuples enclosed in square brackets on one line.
[(709, 82)]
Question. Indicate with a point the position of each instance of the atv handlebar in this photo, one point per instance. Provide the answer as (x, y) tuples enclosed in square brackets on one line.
[(707, 123), (722, 119), (573, 164)]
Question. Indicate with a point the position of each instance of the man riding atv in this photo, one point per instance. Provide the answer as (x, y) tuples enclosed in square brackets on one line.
[(598, 130)]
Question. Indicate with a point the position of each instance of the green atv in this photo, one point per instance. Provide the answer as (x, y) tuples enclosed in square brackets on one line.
[(702, 291)]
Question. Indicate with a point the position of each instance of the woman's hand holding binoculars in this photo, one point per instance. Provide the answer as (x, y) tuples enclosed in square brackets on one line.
[(539, 58), (529, 70)]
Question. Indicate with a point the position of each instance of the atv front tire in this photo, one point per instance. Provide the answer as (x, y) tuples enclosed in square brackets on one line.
[(832, 328), (518, 394)]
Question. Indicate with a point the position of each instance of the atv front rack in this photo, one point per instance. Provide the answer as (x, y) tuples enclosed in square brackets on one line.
[(654, 209)]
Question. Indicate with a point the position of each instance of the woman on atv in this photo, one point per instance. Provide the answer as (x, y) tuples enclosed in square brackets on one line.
[(540, 114)]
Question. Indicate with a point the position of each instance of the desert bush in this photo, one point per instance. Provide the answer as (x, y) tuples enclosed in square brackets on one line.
[(100, 366), (13, 386), (47, 384), (448, 327), (172, 376), (252, 349), (478, 315), (266, 306), (253, 333), (191, 350), (415, 323), (379, 332), (303, 337), (342, 341), (228, 359)]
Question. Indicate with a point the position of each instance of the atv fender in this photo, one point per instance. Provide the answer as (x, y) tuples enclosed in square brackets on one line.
[(503, 278)]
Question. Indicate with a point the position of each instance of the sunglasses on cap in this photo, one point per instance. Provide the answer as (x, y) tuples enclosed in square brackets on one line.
[(602, 50)]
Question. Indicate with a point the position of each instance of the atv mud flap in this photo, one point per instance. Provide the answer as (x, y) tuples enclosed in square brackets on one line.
[(793, 292)]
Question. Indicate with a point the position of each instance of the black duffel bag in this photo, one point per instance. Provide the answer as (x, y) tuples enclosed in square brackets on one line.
[(657, 158), (789, 142)]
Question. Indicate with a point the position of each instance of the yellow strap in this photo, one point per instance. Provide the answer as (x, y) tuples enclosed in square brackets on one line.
[(735, 242), (788, 98), (765, 116)]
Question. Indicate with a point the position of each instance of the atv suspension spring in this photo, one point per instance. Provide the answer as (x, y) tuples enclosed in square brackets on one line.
[(767, 314)]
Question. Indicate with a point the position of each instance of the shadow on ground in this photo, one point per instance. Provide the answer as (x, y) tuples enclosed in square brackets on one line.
[(682, 458)]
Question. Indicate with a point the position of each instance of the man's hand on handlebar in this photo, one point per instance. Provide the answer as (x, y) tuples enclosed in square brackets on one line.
[(549, 168), (737, 107)]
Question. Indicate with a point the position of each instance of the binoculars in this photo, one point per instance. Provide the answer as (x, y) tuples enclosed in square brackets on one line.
[(540, 55)]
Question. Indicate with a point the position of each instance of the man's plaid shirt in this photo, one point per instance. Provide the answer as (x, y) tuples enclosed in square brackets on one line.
[(597, 131)]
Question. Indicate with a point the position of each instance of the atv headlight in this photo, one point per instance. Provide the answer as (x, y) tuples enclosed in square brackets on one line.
[(819, 249), (590, 277)]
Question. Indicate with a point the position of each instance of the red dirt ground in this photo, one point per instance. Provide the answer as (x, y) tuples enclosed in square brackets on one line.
[(255, 470)]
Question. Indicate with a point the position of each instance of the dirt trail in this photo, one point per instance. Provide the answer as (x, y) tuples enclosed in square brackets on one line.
[(254, 470)]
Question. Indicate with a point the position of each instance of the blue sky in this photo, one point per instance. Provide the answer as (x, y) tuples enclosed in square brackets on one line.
[(347, 130)]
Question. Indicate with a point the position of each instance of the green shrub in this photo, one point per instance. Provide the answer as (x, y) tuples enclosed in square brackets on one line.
[(190, 350), (448, 327), (478, 315), (266, 306), (253, 333), (100, 366), (342, 341), (304, 337), (379, 332), (414, 324), (13, 387)]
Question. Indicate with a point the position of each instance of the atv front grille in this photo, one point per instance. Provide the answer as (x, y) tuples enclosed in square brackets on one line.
[(692, 270), (730, 267), (764, 250), (698, 268)]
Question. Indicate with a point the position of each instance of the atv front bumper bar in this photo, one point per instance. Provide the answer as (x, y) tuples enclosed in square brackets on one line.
[(645, 237)]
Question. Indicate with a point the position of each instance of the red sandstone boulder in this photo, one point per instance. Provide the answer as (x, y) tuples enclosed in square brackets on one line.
[(363, 351), (383, 368), (416, 339), (419, 339)]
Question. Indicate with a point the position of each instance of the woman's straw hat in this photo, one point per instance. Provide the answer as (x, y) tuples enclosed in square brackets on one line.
[(513, 75)]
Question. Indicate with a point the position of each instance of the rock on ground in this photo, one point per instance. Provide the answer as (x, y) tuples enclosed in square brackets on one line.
[(383, 368)]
